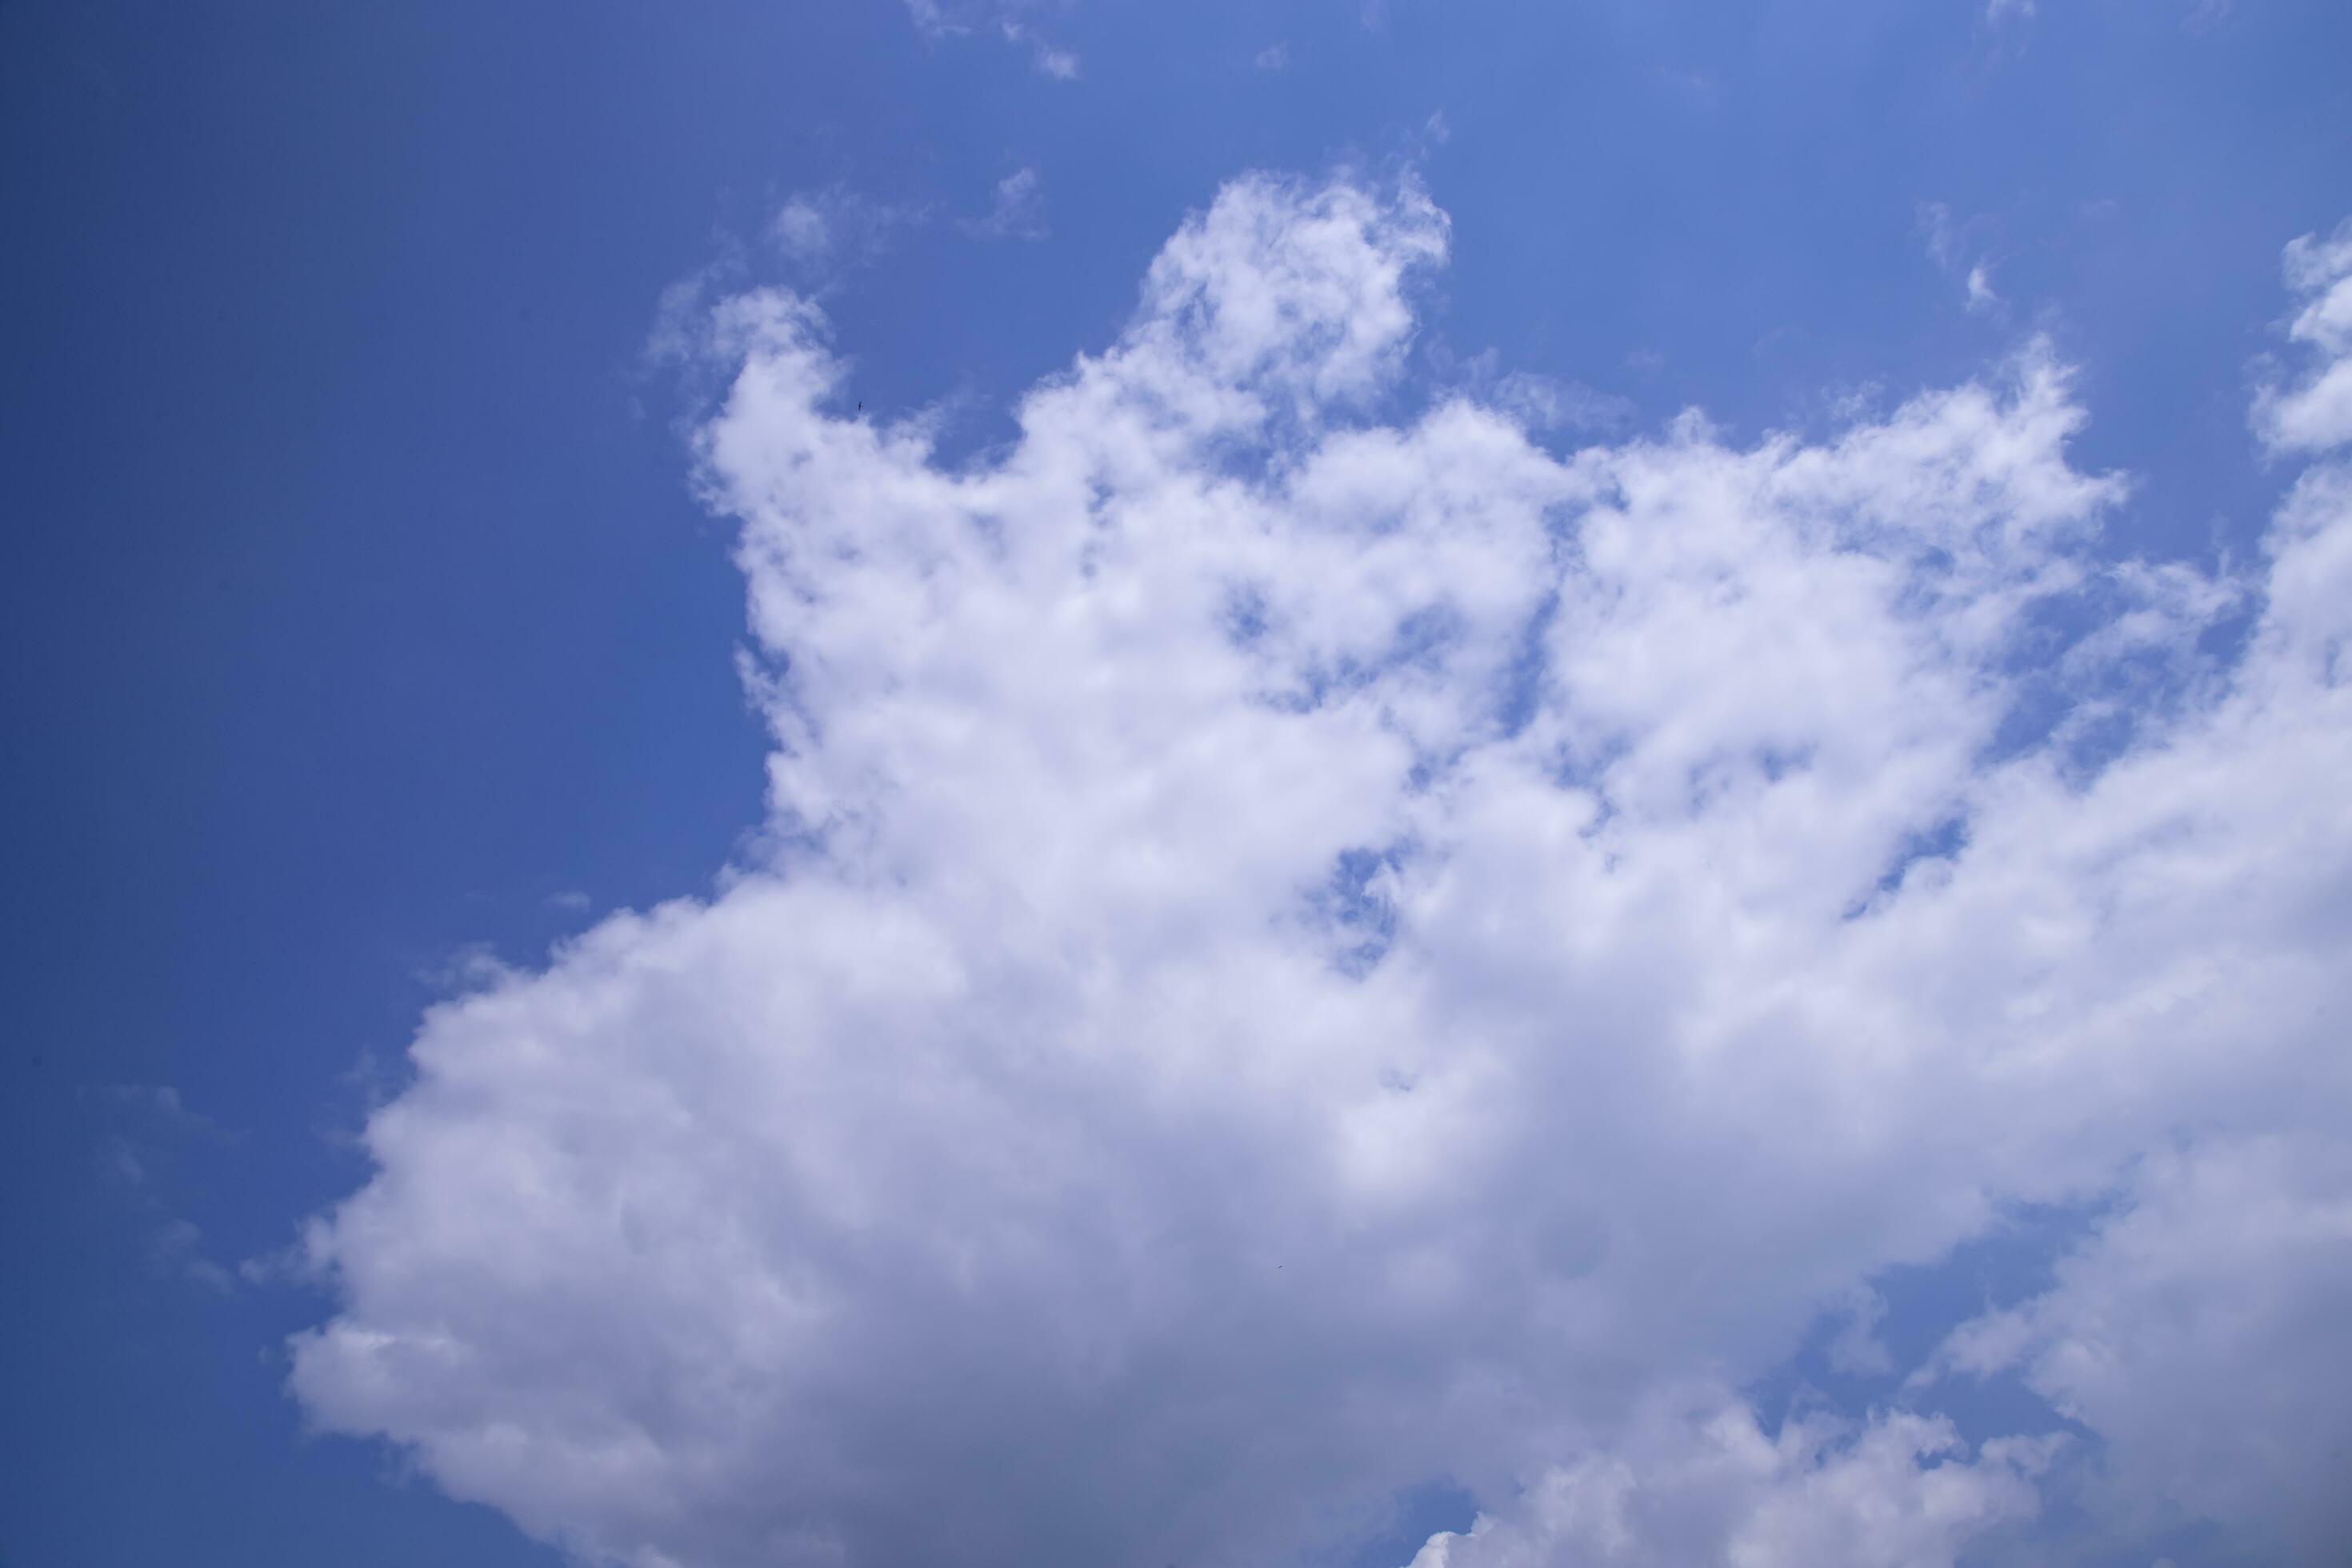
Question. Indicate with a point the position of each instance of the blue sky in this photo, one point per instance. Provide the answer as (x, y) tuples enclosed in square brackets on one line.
[(374, 493)]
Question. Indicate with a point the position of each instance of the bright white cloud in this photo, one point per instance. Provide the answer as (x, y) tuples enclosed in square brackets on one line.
[(1697, 1481), (1302, 949), (2316, 413)]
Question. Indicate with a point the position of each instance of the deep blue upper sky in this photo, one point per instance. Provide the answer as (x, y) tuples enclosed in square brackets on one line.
[(357, 612)]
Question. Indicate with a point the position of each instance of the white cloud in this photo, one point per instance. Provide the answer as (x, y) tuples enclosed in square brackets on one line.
[(1303, 948), (2202, 1332), (2316, 414), (1697, 1481), (1273, 57), (1016, 211)]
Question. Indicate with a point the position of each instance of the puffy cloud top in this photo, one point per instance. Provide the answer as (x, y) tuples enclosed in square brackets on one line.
[(2317, 414), (1302, 948)]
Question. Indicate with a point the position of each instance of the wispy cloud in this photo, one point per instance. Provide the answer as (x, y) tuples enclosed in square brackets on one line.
[(1949, 248), (2196, 16), (175, 1250), (1051, 60), (1016, 210), (1537, 401), (837, 226), (936, 20), (933, 20), (152, 1126)]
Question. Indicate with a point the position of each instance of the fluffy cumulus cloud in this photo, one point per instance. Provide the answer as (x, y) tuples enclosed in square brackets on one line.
[(2316, 414), (1307, 942), (2202, 1331), (1698, 1482)]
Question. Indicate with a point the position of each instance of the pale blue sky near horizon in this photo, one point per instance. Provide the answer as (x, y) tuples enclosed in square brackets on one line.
[(359, 617)]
